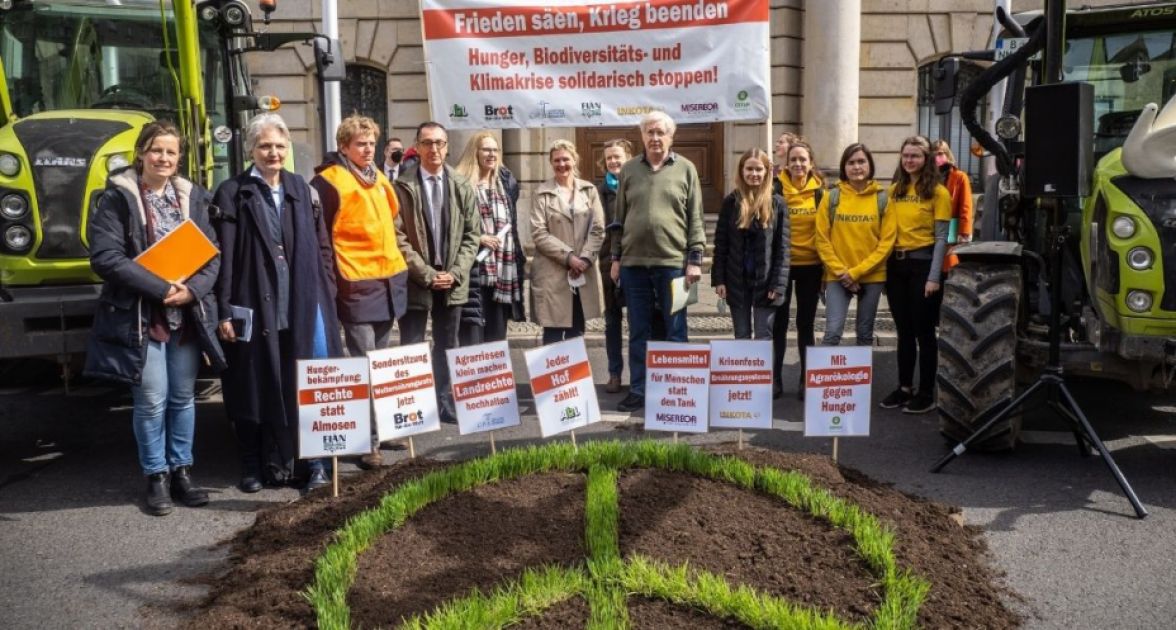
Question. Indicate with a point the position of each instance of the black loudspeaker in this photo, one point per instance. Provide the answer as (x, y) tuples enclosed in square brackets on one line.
[(1059, 139)]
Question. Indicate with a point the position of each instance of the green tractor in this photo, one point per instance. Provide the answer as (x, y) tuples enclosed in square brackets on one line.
[(1113, 308), (78, 80)]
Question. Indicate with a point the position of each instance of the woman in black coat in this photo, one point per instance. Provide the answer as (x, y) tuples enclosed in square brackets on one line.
[(149, 332), (276, 261), (751, 257)]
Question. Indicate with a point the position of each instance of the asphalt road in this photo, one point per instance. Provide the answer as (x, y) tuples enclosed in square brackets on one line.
[(77, 550)]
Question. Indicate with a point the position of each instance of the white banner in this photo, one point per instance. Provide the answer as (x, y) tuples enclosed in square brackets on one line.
[(574, 63), (677, 384), (561, 382), (483, 387), (837, 391), (404, 395), (334, 408), (741, 384)]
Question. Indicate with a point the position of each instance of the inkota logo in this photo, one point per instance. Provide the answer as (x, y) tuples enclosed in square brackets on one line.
[(636, 110), (741, 101), (699, 109), (499, 112), (401, 420), (334, 442), (546, 111), (591, 110), (458, 111), (60, 161), (738, 415)]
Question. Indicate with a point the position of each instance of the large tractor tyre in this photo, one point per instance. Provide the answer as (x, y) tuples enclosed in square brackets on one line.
[(977, 352)]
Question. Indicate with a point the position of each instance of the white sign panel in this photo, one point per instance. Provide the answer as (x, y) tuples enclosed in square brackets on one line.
[(334, 408), (677, 384), (741, 384), (837, 391), (561, 381), (483, 387), (404, 395), (573, 63)]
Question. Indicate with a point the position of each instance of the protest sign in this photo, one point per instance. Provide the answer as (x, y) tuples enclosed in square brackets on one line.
[(404, 394), (334, 408), (677, 387), (837, 391), (483, 387), (561, 382), (513, 63), (741, 384)]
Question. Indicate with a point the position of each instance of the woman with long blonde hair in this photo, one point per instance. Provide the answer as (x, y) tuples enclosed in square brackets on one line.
[(751, 255)]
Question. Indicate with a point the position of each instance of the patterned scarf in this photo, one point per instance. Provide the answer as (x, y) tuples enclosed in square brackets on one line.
[(499, 270), (366, 176), (163, 215)]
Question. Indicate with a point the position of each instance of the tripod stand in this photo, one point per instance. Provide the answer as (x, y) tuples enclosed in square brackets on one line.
[(1058, 396)]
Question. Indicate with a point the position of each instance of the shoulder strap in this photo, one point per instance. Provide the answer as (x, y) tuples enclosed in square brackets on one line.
[(817, 195), (834, 199), (881, 202)]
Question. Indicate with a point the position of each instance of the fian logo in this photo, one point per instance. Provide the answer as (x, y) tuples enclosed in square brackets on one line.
[(546, 111), (60, 161), (458, 111), (591, 110), (499, 112), (400, 420), (334, 442)]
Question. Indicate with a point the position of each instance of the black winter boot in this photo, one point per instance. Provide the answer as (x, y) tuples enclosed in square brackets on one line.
[(183, 491), (158, 502)]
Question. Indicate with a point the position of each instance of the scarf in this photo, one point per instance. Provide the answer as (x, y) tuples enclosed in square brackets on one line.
[(366, 176)]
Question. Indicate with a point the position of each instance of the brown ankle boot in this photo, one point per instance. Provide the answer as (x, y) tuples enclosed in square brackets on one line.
[(614, 384)]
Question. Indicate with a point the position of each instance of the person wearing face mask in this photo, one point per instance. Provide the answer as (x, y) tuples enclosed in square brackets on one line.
[(803, 188), (854, 237), (276, 262), (393, 154), (959, 186), (369, 266), (751, 256)]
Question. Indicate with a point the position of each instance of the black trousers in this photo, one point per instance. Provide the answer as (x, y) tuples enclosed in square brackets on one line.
[(495, 315), (446, 324), (805, 282), (552, 334), (915, 317)]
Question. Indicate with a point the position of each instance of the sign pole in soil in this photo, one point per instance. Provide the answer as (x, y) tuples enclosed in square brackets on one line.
[(677, 387), (335, 476), (561, 382), (741, 385), (404, 393), (837, 397), (483, 388), (334, 409)]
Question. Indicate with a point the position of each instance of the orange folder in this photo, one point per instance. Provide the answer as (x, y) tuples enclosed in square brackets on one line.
[(179, 254)]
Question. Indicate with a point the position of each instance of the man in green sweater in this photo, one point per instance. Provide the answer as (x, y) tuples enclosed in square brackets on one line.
[(657, 237)]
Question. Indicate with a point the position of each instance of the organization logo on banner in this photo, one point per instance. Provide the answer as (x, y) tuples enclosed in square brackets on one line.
[(490, 421), (547, 112), (499, 112), (591, 110), (458, 111), (742, 101), (335, 443), (700, 109), (636, 110)]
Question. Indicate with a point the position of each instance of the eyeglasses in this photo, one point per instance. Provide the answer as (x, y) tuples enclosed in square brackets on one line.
[(488, 150), (433, 144)]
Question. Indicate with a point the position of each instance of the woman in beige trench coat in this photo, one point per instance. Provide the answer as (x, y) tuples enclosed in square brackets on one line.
[(567, 226)]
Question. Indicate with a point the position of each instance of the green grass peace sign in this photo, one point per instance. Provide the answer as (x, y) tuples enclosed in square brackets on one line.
[(606, 579)]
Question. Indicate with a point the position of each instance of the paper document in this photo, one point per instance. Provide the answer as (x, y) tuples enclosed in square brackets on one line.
[(242, 319), (485, 253), (179, 254), (680, 296)]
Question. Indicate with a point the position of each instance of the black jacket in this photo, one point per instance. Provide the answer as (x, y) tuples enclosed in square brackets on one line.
[(769, 254), (471, 312), (117, 347)]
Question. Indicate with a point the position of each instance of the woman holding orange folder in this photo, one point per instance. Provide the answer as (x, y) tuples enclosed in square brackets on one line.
[(150, 332)]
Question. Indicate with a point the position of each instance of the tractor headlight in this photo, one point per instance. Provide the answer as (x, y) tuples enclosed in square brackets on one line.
[(1140, 258), (235, 14), (1123, 227), (115, 162), (9, 165), (13, 206), (1139, 301), (17, 238), (1008, 127)]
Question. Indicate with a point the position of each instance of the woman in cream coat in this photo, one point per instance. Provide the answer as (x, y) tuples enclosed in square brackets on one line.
[(567, 226)]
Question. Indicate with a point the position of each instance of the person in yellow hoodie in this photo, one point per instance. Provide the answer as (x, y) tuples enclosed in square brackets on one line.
[(921, 207), (371, 275), (802, 187), (854, 238)]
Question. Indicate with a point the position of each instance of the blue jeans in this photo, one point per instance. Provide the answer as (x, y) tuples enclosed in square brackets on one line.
[(837, 309), (164, 416), (642, 286)]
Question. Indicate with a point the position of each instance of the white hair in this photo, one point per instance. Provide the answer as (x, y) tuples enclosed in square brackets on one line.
[(658, 116), (259, 123)]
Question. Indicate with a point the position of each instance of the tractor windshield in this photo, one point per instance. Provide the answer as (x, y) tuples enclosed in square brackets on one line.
[(77, 55), (1128, 71)]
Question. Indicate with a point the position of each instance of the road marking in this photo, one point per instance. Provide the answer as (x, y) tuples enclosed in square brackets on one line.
[(1167, 442), (787, 425)]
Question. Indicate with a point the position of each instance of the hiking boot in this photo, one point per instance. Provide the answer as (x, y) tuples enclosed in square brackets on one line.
[(158, 502), (896, 399), (632, 402), (183, 491), (921, 403), (614, 384), (372, 460)]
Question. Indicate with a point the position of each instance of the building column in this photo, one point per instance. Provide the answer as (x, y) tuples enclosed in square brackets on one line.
[(832, 56)]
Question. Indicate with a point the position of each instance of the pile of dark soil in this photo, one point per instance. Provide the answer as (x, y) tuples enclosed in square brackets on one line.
[(487, 536)]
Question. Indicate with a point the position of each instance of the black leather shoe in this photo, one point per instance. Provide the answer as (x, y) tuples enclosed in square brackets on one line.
[(183, 491), (318, 479), (158, 502), (632, 402), (250, 483)]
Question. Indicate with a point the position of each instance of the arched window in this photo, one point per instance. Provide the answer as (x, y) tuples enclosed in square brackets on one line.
[(366, 92)]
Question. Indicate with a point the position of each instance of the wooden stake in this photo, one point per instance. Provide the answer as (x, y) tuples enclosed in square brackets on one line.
[(741, 439), (411, 448), (834, 450), (574, 447), (675, 437), (493, 450), (334, 477)]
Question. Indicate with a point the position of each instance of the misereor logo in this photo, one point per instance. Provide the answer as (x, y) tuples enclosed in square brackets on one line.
[(699, 108)]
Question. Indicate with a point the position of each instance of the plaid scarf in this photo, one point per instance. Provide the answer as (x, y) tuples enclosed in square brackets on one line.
[(499, 270)]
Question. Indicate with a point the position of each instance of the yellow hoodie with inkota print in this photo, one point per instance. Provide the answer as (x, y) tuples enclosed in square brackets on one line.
[(859, 239), (802, 210)]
